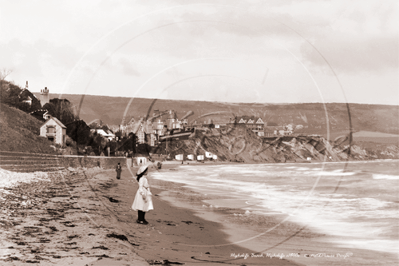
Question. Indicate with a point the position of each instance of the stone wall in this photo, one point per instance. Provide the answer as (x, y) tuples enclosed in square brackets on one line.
[(91, 161)]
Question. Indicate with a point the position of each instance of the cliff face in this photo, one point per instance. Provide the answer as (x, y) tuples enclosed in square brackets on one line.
[(239, 144)]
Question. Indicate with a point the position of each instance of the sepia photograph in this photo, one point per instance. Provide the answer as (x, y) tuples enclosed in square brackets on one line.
[(199, 132)]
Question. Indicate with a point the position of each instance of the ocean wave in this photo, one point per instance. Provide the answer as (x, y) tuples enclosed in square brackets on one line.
[(382, 176)]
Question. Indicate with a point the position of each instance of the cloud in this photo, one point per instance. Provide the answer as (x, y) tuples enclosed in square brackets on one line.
[(361, 37), (128, 68), (354, 53), (21, 57), (131, 42)]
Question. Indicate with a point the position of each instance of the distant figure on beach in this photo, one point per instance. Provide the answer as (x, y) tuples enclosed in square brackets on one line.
[(143, 201), (118, 170)]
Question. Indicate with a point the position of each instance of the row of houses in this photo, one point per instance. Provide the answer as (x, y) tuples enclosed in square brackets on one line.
[(149, 132)]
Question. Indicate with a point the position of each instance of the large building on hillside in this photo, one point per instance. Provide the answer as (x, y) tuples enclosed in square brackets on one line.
[(254, 123), (44, 96)]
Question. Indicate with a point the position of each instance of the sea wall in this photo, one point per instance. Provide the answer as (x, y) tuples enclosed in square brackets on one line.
[(91, 161), (32, 162)]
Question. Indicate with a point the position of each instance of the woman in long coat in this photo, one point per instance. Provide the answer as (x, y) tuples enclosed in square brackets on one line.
[(118, 170), (143, 201)]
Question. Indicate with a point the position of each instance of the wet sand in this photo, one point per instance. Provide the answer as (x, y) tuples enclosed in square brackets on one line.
[(86, 219)]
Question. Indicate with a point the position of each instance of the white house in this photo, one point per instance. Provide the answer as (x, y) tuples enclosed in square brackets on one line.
[(108, 135), (140, 159), (54, 131)]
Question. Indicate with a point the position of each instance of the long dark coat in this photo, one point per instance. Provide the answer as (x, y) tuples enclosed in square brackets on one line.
[(118, 170)]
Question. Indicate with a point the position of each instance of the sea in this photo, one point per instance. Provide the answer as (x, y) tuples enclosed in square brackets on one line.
[(355, 203)]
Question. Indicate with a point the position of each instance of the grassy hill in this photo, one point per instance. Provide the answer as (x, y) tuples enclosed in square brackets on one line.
[(313, 116), (20, 131)]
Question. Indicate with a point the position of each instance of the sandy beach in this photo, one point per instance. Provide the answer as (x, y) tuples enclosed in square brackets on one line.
[(84, 218)]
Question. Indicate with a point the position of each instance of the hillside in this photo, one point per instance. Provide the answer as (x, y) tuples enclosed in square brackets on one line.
[(313, 116), (19, 131)]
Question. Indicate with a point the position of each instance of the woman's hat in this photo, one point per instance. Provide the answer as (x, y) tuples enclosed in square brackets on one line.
[(142, 169)]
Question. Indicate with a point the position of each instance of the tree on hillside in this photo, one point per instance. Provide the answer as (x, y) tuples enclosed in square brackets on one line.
[(128, 143), (10, 93), (95, 125), (118, 134), (79, 131), (4, 85), (28, 102), (98, 143), (22, 99), (61, 109), (4, 73), (13, 95)]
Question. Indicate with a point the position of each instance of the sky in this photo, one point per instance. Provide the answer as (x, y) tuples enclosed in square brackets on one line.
[(266, 51)]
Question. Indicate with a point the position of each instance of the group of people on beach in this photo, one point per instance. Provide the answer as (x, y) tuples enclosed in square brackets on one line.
[(143, 200)]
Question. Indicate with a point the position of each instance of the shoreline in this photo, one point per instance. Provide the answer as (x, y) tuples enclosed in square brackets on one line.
[(177, 163), (86, 219), (181, 229), (286, 238), (178, 235)]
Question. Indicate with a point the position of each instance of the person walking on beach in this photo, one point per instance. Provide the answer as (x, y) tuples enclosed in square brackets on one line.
[(143, 200), (118, 170)]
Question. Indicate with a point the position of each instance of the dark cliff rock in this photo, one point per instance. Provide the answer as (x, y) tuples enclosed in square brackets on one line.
[(239, 144)]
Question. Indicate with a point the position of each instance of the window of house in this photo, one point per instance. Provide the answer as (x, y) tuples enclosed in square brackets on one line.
[(50, 129)]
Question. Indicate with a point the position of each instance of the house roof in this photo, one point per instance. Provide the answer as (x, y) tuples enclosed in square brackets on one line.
[(56, 120), (104, 133), (259, 121), (245, 119)]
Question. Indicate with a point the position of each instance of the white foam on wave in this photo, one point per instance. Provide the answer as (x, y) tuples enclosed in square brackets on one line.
[(339, 172), (382, 176), (383, 245), (347, 215)]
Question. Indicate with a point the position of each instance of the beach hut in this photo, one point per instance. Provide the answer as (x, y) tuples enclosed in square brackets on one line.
[(140, 159), (208, 154), (214, 157), (200, 157), (190, 157), (179, 157)]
